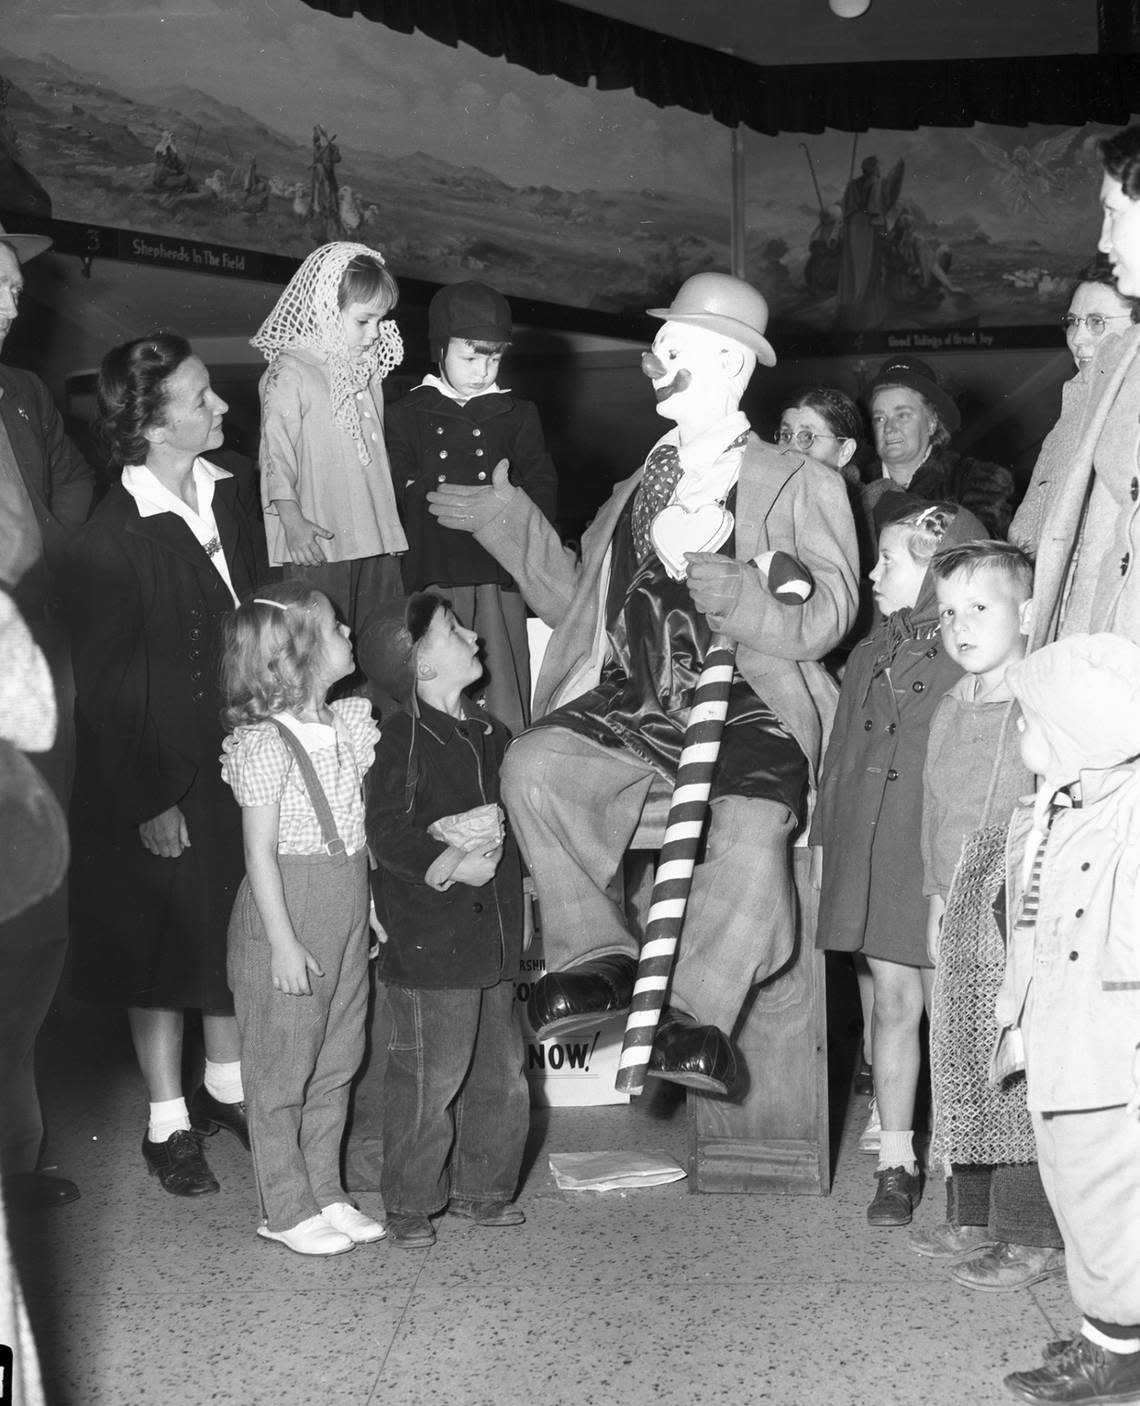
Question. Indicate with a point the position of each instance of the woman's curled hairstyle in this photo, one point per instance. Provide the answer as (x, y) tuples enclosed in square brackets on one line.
[(270, 653), (131, 395)]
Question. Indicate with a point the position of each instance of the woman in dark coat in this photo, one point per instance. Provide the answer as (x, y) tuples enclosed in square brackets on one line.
[(156, 833)]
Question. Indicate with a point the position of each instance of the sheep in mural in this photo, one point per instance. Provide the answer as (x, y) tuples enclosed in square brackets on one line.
[(350, 216)]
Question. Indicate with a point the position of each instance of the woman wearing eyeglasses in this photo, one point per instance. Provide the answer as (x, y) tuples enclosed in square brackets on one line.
[(1098, 312), (825, 424), (1087, 576)]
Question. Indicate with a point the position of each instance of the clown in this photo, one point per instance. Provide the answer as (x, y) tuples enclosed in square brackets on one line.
[(679, 551)]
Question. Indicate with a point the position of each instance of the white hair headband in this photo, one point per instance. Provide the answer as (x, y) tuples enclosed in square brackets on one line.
[(276, 604)]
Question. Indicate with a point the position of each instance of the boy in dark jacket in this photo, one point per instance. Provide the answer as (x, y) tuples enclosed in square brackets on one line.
[(454, 428), (448, 892)]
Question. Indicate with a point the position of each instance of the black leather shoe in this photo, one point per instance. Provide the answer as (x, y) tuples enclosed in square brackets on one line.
[(208, 1114), (698, 1056), (564, 1001), (179, 1165), (37, 1191), (899, 1193), (1082, 1372)]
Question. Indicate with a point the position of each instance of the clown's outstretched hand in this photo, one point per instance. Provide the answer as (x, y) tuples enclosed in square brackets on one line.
[(470, 507)]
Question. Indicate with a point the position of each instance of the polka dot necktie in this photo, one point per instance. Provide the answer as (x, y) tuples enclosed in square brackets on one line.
[(662, 472)]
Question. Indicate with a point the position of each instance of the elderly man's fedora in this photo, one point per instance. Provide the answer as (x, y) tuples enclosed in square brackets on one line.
[(25, 246)]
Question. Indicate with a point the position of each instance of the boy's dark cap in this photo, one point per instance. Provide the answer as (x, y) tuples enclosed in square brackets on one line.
[(386, 644), (472, 311)]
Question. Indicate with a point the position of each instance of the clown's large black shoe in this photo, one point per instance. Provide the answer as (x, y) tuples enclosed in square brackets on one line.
[(698, 1056), (568, 1000)]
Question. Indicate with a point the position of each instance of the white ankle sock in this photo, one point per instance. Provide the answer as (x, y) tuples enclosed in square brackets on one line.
[(169, 1116), (1117, 1345), (897, 1150), (223, 1081)]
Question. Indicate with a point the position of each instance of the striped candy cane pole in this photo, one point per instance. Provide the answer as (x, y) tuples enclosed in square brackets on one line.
[(687, 811)]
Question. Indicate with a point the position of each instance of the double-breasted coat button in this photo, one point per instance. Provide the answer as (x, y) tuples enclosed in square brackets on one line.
[(868, 725), (1074, 956), (1134, 489), (918, 686), (1124, 564), (476, 908), (892, 775), (1085, 867), (478, 453), (1080, 913), (932, 652), (476, 433), (443, 453), (439, 429), (480, 475), (892, 728), (442, 478)]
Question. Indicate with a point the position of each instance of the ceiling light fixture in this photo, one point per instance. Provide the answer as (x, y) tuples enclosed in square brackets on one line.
[(849, 9)]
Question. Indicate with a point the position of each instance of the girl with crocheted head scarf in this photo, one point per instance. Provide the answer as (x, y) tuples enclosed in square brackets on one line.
[(326, 484)]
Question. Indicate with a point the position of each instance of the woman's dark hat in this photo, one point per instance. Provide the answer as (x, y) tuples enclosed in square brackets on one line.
[(909, 371), (472, 311)]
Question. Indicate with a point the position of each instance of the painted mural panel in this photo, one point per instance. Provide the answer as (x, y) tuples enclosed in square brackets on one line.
[(278, 127), (942, 228), (275, 127)]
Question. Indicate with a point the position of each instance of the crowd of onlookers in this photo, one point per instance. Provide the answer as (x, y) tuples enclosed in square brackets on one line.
[(307, 640)]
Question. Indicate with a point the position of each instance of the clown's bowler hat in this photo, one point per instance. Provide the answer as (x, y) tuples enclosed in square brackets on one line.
[(720, 303)]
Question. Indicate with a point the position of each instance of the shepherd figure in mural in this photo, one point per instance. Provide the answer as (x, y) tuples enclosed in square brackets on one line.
[(325, 199), (867, 202), (681, 551), (170, 172)]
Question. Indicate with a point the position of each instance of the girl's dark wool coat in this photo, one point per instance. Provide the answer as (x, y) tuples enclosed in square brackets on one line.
[(869, 812), (145, 605)]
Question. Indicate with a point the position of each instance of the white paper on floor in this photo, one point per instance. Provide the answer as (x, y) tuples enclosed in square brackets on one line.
[(613, 1171)]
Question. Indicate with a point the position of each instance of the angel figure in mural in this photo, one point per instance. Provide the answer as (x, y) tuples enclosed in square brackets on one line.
[(867, 204), (1027, 174)]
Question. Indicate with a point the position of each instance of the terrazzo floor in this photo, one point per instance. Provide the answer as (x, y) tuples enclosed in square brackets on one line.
[(623, 1299)]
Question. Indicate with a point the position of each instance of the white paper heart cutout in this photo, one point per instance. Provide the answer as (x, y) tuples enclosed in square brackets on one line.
[(677, 530)]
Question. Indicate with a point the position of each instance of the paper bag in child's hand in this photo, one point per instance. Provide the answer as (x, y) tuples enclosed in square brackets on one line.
[(481, 827)]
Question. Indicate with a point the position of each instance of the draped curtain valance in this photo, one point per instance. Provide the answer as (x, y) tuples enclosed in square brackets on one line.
[(553, 38)]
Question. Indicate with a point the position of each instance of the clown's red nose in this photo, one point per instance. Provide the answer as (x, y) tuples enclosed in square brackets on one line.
[(651, 367)]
